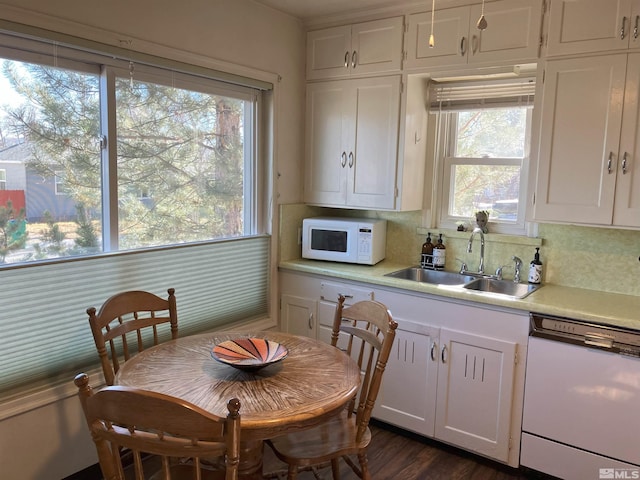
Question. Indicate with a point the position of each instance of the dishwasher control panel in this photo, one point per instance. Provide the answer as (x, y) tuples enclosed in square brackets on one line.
[(614, 339)]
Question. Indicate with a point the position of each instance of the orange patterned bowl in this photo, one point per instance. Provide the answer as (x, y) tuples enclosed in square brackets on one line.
[(249, 354)]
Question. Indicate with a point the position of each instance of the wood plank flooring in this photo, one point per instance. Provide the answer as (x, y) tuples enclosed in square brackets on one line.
[(397, 455)]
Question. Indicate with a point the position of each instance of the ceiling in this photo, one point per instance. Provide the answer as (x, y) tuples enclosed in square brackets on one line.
[(308, 10)]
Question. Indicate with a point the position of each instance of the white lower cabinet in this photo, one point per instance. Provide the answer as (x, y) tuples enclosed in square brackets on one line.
[(475, 384), (456, 371), (298, 315)]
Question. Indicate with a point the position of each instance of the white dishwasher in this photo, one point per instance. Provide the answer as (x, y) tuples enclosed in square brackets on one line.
[(581, 417)]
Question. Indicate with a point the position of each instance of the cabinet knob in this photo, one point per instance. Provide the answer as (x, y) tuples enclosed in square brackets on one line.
[(463, 46), (354, 59), (311, 321), (343, 160), (610, 162), (635, 28), (346, 59), (624, 163), (351, 159), (623, 28)]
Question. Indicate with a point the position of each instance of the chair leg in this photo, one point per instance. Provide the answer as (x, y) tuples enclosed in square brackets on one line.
[(335, 468), (364, 465), (292, 473)]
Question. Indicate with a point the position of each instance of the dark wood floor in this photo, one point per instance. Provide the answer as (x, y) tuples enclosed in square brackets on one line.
[(397, 455)]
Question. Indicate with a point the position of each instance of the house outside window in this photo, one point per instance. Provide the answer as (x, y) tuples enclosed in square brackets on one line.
[(3, 179)]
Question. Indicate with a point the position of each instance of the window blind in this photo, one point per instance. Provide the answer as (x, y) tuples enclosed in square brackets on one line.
[(471, 95), (44, 328)]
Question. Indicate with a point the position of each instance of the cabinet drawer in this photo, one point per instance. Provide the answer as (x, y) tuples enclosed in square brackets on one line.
[(331, 291)]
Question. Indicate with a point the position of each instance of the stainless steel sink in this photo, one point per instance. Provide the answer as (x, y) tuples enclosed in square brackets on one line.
[(436, 277), (501, 287), (471, 283)]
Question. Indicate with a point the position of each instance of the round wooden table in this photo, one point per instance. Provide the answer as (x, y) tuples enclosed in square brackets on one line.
[(314, 382)]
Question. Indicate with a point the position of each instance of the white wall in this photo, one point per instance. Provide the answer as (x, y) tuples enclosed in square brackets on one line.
[(51, 441)]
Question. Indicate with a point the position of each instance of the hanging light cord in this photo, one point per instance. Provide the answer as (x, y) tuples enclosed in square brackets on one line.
[(432, 42)]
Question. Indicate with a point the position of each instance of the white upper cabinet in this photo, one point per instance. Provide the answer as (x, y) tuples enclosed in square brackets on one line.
[(352, 142), (359, 49), (583, 26), (512, 35), (588, 142)]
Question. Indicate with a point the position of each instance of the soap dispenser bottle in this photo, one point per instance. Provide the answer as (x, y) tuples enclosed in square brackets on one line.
[(535, 268), (439, 254), (427, 252)]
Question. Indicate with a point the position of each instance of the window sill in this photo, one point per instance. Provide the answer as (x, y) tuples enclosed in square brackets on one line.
[(489, 237)]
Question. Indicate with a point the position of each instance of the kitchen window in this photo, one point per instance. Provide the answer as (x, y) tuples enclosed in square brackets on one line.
[(484, 129), (3, 179)]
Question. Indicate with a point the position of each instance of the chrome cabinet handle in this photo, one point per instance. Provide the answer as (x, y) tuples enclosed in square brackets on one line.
[(343, 162), (635, 28), (350, 159), (610, 162), (346, 59), (463, 46), (622, 28), (311, 321), (433, 351), (624, 163), (442, 355), (354, 59), (474, 44)]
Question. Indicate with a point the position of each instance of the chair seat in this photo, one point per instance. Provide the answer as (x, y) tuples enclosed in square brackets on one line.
[(333, 438)]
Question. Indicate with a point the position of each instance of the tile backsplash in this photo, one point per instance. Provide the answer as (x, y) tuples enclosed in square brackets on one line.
[(593, 258)]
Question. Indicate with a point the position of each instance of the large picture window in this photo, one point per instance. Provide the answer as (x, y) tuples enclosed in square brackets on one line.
[(121, 156), (138, 173)]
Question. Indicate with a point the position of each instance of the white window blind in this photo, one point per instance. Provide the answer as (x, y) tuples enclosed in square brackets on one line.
[(472, 95), (44, 328)]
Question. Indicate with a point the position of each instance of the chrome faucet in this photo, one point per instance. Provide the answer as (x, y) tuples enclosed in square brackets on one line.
[(478, 230), (517, 268)]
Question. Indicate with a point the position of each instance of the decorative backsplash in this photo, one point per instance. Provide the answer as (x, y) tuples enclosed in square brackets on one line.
[(593, 258)]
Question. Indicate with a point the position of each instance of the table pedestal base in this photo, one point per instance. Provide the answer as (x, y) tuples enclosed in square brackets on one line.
[(250, 467)]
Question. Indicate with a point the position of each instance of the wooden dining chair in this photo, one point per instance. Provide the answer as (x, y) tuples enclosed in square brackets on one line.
[(127, 323), (368, 331), (179, 436)]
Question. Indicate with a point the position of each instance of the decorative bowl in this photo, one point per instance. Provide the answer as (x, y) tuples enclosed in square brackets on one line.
[(249, 354)]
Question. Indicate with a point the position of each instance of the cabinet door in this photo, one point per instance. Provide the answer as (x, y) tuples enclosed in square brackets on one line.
[(627, 201), (326, 155), (376, 46), (579, 135), (329, 53), (513, 32), (298, 315), (371, 182), (475, 387), (413, 362), (582, 26), (450, 31)]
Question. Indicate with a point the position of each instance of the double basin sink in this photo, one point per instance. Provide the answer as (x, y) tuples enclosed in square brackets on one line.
[(485, 284)]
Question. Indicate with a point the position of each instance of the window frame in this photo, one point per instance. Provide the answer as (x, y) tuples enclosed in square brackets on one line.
[(446, 130), (109, 68), (3, 179)]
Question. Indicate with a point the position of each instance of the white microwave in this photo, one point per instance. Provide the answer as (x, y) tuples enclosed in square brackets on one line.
[(349, 240)]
